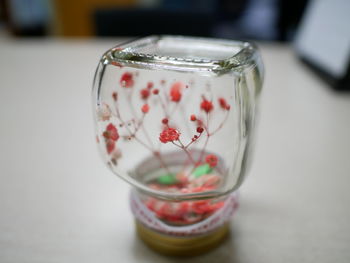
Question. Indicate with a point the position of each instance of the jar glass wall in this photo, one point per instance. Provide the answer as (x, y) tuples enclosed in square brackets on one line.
[(175, 118)]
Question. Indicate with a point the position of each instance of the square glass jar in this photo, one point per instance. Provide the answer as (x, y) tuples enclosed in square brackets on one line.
[(175, 115)]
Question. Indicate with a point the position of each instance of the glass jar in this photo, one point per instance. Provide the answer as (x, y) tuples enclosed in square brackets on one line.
[(175, 118)]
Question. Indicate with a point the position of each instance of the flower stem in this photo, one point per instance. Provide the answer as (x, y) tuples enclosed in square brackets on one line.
[(221, 124), (206, 128), (185, 150), (133, 135)]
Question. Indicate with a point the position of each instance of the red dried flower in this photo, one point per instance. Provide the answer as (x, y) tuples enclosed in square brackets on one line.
[(165, 121), (207, 105), (116, 64), (145, 108), (193, 117), (150, 85), (223, 104), (110, 145), (175, 91), (155, 91), (111, 136), (111, 133), (169, 135), (104, 112), (144, 93), (127, 80), (212, 160), (115, 96), (200, 129)]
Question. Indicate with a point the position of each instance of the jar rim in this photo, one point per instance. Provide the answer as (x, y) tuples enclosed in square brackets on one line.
[(136, 53)]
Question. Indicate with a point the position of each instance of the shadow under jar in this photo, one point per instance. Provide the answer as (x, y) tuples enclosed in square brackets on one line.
[(175, 117)]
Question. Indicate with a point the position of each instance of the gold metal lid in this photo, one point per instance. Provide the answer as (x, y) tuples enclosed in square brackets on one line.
[(182, 246)]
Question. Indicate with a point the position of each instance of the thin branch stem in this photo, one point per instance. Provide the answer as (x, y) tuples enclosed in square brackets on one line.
[(181, 146), (134, 114), (155, 153), (174, 109), (145, 131), (221, 124), (206, 128), (182, 110), (192, 141), (187, 152), (163, 106)]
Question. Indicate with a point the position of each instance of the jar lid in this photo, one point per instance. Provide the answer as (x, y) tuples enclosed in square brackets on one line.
[(181, 246), (148, 218)]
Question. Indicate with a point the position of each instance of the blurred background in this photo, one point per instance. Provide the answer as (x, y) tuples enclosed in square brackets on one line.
[(314, 26), (249, 19)]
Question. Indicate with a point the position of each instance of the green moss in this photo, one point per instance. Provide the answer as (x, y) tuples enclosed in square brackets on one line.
[(202, 170), (167, 179)]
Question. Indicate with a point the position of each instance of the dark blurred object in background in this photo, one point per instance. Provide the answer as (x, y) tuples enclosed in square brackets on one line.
[(289, 17), (251, 19), (142, 22), (76, 17), (232, 19), (26, 17)]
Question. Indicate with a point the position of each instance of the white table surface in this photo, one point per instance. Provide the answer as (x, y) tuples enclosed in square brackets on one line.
[(59, 203)]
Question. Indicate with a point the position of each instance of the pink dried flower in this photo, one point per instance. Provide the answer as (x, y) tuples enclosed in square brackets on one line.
[(195, 137), (111, 136), (115, 96), (212, 160), (144, 93), (115, 155), (175, 91), (111, 133), (104, 112), (116, 64), (110, 145), (200, 129), (150, 85), (207, 105), (127, 80), (169, 135), (223, 104), (145, 108)]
